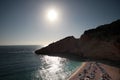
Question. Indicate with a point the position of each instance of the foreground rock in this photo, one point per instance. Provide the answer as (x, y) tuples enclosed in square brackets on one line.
[(101, 43)]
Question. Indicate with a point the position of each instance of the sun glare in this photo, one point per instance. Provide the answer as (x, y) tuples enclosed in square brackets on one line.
[(52, 15)]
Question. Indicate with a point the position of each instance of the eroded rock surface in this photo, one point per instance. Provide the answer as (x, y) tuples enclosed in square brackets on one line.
[(101, 43)]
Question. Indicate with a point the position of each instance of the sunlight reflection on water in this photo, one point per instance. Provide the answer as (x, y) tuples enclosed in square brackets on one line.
[(53, 68), (20, 63)]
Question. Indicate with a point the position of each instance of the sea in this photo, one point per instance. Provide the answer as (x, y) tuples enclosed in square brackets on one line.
[(21, 63)]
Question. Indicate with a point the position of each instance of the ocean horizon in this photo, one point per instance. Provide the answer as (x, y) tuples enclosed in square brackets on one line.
[(19, 62)]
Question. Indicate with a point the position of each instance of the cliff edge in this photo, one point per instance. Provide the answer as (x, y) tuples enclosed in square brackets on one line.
[(101, 43)]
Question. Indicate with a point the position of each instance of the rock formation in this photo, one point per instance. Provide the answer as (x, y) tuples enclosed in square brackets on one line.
[(101, 43)]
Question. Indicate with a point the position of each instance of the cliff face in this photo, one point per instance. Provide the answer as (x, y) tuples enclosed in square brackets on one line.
[(101, 43)]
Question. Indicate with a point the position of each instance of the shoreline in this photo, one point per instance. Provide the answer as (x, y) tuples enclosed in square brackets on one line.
[(100, 70), (77, 70)]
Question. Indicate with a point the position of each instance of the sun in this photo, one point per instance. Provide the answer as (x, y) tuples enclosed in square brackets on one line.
[(52, 15)]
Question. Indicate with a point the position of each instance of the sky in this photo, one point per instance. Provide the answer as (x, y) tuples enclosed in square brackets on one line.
[(24, 22)]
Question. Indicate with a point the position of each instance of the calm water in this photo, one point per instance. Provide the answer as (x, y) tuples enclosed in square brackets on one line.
[(21, 63)]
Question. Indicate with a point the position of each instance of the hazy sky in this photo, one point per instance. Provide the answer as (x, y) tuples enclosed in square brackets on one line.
[(24, 22)]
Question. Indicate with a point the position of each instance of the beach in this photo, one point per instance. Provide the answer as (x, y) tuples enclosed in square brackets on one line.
[(96, 71)]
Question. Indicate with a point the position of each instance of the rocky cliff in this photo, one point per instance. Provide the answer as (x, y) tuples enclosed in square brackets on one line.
[(101, 43)]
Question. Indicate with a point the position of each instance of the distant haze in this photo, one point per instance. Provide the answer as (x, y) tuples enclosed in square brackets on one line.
[(23, 22)]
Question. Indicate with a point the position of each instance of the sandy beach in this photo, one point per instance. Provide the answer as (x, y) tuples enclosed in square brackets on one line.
[(96, 71)]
